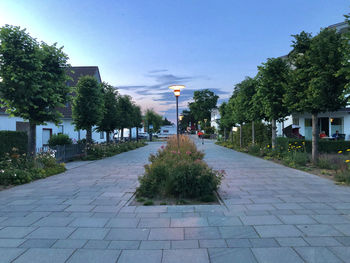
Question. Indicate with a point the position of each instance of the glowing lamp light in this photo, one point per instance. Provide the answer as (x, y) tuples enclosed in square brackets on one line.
[(177, 89)]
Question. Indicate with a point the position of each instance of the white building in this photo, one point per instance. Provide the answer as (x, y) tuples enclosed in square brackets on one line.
[(44, 132), (167, 131), (215, 118)]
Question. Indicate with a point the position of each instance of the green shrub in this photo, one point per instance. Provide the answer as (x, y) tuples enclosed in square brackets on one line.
[(59, 139), (343, 177), (178, 173), (254, 150), (148, 202), (13, 139)]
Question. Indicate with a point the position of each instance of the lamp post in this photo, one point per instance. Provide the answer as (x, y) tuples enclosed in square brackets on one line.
[(177, 89)]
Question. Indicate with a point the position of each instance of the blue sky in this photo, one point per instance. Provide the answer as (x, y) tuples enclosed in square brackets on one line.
[(143, 46)]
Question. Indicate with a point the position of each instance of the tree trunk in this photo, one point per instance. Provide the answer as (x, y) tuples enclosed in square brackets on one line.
[(240, 136), (273, 137), (130, 135), (150, 137), (225, 134), (89, 135), (107, 137), (122, 134), (137, 134), (231, 135), (253, 133), (32, 139), (283, 128), (314, 138)]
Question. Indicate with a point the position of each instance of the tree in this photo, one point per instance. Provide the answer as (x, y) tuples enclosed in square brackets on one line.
[(125, 108), (187, 120), (88, 106), (109, 121), (318, 76), (137, 119), (272, 82), (33, 79), (166, 122), (204, 101), (225, 119), (153, 121)]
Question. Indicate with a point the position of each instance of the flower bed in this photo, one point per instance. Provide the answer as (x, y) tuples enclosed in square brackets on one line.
[(179, 172), (17, 168)]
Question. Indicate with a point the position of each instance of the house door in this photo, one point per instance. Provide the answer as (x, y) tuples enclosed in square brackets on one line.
[(323, 124), (46, 136)]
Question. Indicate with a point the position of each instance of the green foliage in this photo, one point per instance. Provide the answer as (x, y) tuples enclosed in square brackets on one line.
[(204, 101), (99, 151), (152, 118), (343, 177), (13, 139), (126, 111), (111, 114), (148, 202), (88, 106), (17, 168), (262, 134), (59, 139), (178, 173), (166, 122)]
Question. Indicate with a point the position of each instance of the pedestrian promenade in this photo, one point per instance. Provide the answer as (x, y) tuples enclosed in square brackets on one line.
[(269, 213)]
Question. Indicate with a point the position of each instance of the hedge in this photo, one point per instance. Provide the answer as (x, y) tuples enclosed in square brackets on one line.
[(13, 139), (324, 146)]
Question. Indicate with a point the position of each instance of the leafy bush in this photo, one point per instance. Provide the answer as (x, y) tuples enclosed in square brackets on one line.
[(178, 172), (13, 139), (59, 139), (19, 169), (254, 150), (343, 177)]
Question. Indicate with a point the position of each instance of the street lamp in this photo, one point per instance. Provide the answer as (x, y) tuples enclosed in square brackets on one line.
[(177, 89)]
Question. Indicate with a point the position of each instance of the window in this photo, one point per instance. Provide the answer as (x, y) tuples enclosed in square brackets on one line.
[(295, 121), (337, 125), (165, 131), (102, 135), (60, 129)]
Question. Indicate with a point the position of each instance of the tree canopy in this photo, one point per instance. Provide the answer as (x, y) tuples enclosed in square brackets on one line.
[(204, 101)]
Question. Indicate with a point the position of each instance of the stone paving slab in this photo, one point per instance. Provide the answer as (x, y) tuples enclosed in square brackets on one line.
[(271, 213)]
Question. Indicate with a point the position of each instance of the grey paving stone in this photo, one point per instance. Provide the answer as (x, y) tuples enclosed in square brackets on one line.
[(89, 233), (238, 242), (178, 244), (151, 209), (276, 255), (155, 244), (79, 208), (343, 240), (238, 232), (211, 243), (51, 232), (11, 242), (147, 215), (54, 221), (224, 221), (185, 256), (319, 230), (225, 255), (189, 222), (263, 242), (128, 234), (38, 243), (69, 243), (288, 206), (332, 219), (106, 208), (170, 215), (144, 256), (317, 255), (322, 241), (202, 233), (154, 222), (124, 245), (291, 242), (180, 208), (260, 220), (278, 231), (94, 256), (166, 234), (123, 222), (15, 232), (342, 253), (19, 221), (343, 228), (9, 254), (45, 255), (297, 219), (97, 244), (263, 207), (89, 222)]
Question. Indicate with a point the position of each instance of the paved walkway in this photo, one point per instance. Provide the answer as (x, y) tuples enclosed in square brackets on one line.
[(271, 214)]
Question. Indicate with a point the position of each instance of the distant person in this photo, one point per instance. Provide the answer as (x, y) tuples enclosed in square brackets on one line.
[(323, 134), (336, 135)]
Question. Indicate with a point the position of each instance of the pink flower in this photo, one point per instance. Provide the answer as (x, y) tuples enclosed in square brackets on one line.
[(188, 152), (174, 152), (178, 152), (162, 146)]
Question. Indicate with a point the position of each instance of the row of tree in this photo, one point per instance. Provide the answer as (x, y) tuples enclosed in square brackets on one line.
[(313, 78), (33, 86)]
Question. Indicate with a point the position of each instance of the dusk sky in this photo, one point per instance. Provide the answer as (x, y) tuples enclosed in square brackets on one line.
[(143, 46)]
